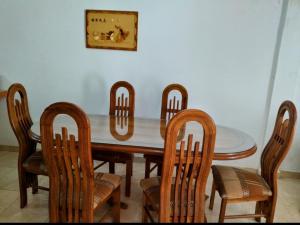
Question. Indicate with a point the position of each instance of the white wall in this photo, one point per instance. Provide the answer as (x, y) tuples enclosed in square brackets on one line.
[(287, 79), (221, 51)]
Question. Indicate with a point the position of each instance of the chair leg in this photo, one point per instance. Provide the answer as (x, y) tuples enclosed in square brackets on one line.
[(116, 198), (144, 213), (54, 215), (258, 210), (112, 167), (35, 184), (159, 168), (147, 168), (128, 177), (212, 195), (23, 188), (270, 210), (222, 211)]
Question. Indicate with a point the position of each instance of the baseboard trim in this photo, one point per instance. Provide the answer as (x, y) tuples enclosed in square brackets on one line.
[(289, 174), (9, 148)]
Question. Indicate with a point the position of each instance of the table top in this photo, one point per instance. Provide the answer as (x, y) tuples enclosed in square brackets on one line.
[(145, 135)]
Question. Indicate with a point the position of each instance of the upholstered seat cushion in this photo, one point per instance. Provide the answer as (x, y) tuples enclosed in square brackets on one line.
[(233, 183), (35, 164), (104, 185), (151, 188)]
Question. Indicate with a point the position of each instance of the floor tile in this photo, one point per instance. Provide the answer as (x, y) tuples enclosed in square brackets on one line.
[(288, 206)]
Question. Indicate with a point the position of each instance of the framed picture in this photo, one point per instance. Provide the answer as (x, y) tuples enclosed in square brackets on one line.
[(111, 29)]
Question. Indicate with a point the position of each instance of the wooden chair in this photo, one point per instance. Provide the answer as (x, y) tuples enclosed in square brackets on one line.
[(75, 190), (181, 198), (30, 161), (169, 107), (237, 185), (120, 106), (121, 123)]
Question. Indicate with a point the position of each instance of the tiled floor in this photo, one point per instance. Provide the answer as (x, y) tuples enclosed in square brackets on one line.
[(288, 207)]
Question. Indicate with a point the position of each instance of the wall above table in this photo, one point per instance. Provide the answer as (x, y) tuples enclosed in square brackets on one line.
[(222, 52)]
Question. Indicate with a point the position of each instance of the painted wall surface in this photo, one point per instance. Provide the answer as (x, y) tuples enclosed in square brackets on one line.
[(287, 79), (221, 51)]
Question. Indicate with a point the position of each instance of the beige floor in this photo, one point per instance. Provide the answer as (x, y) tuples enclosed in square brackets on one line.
[(288, 207)]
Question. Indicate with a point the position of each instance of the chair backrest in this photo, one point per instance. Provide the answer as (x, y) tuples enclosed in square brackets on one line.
[(169, 107), (70, 165), (20, 120), (279, 143), (185, 172), (121, 123), (122, 105)]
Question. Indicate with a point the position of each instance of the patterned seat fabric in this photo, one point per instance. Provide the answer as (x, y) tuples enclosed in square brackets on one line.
[(104, 185), (151, 188), (233, 183), (35, 164)]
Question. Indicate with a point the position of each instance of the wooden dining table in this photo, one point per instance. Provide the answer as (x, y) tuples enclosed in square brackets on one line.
[(146, 136)]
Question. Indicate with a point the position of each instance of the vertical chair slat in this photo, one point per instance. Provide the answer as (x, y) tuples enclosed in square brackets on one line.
[(118, 106), (266, 159), (200, 189), (20, 116), (74, 159), (25, 117), (126, 122), (122, 122), (62, 178), (178, 183), (183, 193), (67, 160), (191, 188), (122, 105), (173, 107), (169, 109), (118, 120), (126, 107)]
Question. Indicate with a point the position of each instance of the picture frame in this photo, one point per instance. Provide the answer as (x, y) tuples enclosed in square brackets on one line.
[(111, 29)]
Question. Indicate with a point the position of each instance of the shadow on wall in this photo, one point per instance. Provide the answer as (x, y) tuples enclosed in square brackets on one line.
[(7, 136), (148, 94), (95, 95), (4, 82)]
